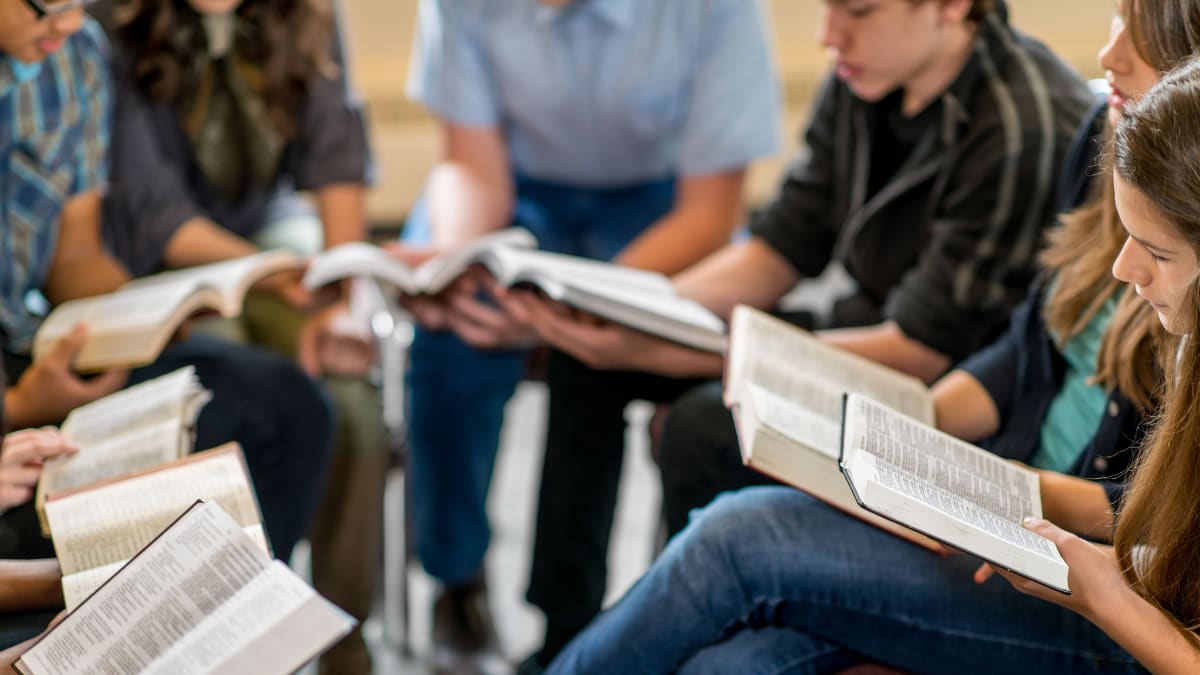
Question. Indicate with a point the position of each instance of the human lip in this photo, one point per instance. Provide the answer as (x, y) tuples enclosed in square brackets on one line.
[(1158, 307), (50, 45), (846, 71), (1116, 97)]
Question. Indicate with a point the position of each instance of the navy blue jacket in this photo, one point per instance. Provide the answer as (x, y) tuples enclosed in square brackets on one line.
[(1023, 370)]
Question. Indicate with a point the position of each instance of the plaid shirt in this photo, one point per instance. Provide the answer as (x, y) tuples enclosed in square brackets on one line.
[(54, 130)]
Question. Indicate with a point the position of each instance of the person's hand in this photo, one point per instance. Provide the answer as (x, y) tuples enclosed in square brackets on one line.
[(603, 345), (335, 342), (286, 286), (21, 458), (472, 308), (1093, 576), (49, 389)]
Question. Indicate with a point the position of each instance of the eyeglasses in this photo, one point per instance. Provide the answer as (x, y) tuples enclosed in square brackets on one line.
[(43, 9)]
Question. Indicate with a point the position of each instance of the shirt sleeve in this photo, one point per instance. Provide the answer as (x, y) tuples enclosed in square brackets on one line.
[(332, 147), (975, 266), (997, 366), (448, 72), (733, 114), (147, 201), (798, 223)]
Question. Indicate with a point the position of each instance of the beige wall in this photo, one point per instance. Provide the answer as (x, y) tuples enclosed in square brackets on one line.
[(380, 35)]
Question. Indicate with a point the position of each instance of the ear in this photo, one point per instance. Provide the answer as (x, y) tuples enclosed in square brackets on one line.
[(955, 11)]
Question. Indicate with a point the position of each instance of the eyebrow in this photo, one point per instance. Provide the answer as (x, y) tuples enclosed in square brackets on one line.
[(1152, 247)]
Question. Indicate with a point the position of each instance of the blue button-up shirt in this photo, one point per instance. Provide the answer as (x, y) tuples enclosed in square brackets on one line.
[(54, 130), (604, 93)]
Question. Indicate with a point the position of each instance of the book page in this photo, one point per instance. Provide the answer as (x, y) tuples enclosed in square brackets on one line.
[(801, 424), (77, 587), (230, 278), (358, 259), (796, 364), (176, 395), (141, 448), (271, 626), (112, 521), (512, 265), (948, 489), (152, 603), (435, 275)]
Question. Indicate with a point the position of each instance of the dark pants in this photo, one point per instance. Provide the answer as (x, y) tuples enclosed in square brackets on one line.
[(585, 441), (699, 456), (280, 417)]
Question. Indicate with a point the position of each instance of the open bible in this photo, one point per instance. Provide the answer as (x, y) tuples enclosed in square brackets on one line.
[(952, 491), (785, 388), (130, 326), (201, 597), (136, 428), (639, 299), (97, 528)]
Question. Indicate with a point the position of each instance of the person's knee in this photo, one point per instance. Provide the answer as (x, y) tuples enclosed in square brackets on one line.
[(742, 514)]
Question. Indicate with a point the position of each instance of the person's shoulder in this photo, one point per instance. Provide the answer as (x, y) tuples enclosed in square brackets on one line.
[(90, 42)]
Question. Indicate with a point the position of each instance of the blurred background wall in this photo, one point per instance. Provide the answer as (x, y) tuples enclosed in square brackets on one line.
[(380, 35)]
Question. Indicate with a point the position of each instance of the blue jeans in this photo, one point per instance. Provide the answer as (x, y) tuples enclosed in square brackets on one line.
[(457, 393), (768, 558)]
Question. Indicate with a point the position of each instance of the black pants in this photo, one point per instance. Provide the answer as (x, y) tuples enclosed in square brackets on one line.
[(699, 456), (585, 443)]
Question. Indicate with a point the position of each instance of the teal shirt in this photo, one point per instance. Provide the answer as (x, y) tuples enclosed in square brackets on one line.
[(1077, 409)]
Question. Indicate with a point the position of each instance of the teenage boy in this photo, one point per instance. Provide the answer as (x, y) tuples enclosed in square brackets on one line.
[(929, 172)]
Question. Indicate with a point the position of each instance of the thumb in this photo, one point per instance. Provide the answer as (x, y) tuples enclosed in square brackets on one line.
[(65, 350), (107, 382), (1047, 529)]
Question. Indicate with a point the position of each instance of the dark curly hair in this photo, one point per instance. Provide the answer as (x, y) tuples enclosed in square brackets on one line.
[(290, 42)]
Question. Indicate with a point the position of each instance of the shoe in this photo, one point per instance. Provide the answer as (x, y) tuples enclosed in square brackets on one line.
[(464, 637)]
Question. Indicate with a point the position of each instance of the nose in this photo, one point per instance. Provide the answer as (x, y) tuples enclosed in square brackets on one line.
[(1114, 55), (831, 33), (1129, 266), (66, 23)]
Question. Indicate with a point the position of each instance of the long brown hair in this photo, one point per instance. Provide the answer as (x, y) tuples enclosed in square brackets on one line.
[(1082, 251), (1155, 147), (291, 45)]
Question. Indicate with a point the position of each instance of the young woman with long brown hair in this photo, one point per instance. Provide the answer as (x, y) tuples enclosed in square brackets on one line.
[(226, 111), (773, 581)]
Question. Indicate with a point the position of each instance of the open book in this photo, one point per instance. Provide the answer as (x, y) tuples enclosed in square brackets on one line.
[(130, 326), (640, 299), (785, 388), (959, 494), (97, 528), (201, 597), (137, 428)]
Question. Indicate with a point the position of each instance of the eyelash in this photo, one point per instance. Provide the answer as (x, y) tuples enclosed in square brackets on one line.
[(1158, 258)]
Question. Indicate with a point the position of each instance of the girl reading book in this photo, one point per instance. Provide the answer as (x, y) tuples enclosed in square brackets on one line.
[(770, 579)]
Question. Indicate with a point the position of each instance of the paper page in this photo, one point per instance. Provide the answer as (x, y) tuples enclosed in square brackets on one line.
[(141, 448), (799, 423), (435, 275), (101, 525), (785, 358), (122, 312), (176, 395), (230, 278), (358, 259), (271, 626), (77, 587), (512, 265), (164, 593)]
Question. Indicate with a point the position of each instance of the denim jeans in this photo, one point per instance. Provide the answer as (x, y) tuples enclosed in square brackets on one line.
[(771, 557), (457, 394)]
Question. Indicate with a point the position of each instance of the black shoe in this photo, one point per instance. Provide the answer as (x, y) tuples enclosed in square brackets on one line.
[(464, 637)]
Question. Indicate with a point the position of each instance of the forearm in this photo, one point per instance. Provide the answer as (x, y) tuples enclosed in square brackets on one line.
[(343, 213), (885, 343), (1146, 633), (200, 241), (30, 585), (748, 273), (706, 211), (1077, 504), (464, 204), (84, 275), (964, 408)]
